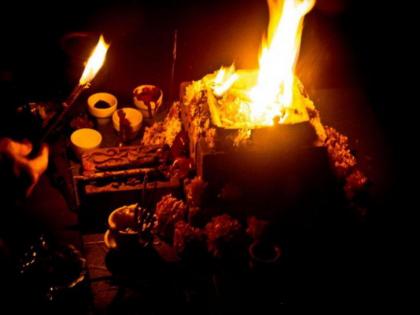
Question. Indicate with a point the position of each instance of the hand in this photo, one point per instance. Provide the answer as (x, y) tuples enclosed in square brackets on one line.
[(23, 167)]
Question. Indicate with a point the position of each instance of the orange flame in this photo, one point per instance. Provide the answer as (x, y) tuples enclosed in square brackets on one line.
[(225, 78), (249, 99), (94, 62), (274, 90)]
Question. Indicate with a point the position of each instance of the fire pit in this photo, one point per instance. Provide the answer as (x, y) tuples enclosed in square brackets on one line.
[(258, 130)]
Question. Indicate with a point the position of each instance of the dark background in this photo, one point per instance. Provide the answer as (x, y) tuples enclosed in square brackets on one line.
[(361, 46)]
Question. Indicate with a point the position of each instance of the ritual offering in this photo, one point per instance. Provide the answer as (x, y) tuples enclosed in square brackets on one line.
[(148, 98)]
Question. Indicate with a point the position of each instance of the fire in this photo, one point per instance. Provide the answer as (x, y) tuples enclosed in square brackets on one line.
[(94, 62), (224, 80), (252, 99), (276, 78)]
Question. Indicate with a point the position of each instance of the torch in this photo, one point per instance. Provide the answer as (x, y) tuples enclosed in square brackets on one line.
[(92, 67)]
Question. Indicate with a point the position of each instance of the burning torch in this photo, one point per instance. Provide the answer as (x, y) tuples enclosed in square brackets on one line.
[(92, 67)]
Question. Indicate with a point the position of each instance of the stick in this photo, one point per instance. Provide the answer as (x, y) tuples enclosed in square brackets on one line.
[(143, 201), (136, 215), (67, 104), (173, 64)]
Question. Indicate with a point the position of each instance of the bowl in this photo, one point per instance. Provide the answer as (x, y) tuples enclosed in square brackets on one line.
[(122, 218), (133, 116), (84, 140), (145, 95), (122, 227), (102, 105)]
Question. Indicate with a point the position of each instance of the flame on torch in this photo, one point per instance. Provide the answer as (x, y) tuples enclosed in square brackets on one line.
[(94, 62)]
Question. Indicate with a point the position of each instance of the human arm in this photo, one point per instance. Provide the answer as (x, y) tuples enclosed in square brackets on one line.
[(18, 169)]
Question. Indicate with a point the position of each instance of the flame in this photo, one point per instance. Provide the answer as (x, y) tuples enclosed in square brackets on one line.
[(274, 90), (249, 99), (224, 79), (94, 62)]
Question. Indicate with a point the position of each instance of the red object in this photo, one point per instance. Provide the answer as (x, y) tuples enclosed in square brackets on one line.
[(125, 128), (148, 95)]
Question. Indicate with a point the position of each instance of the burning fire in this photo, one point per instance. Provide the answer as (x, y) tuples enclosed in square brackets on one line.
[(250, 99), (276, 77), (224, 80), (94, 62)]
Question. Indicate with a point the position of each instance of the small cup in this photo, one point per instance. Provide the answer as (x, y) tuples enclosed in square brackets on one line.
[(148, 98), (133, 116), (102, 106), (84, 140)]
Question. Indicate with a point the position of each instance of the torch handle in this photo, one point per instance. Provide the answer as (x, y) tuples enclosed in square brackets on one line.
[(57, 120), (43, 137)]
